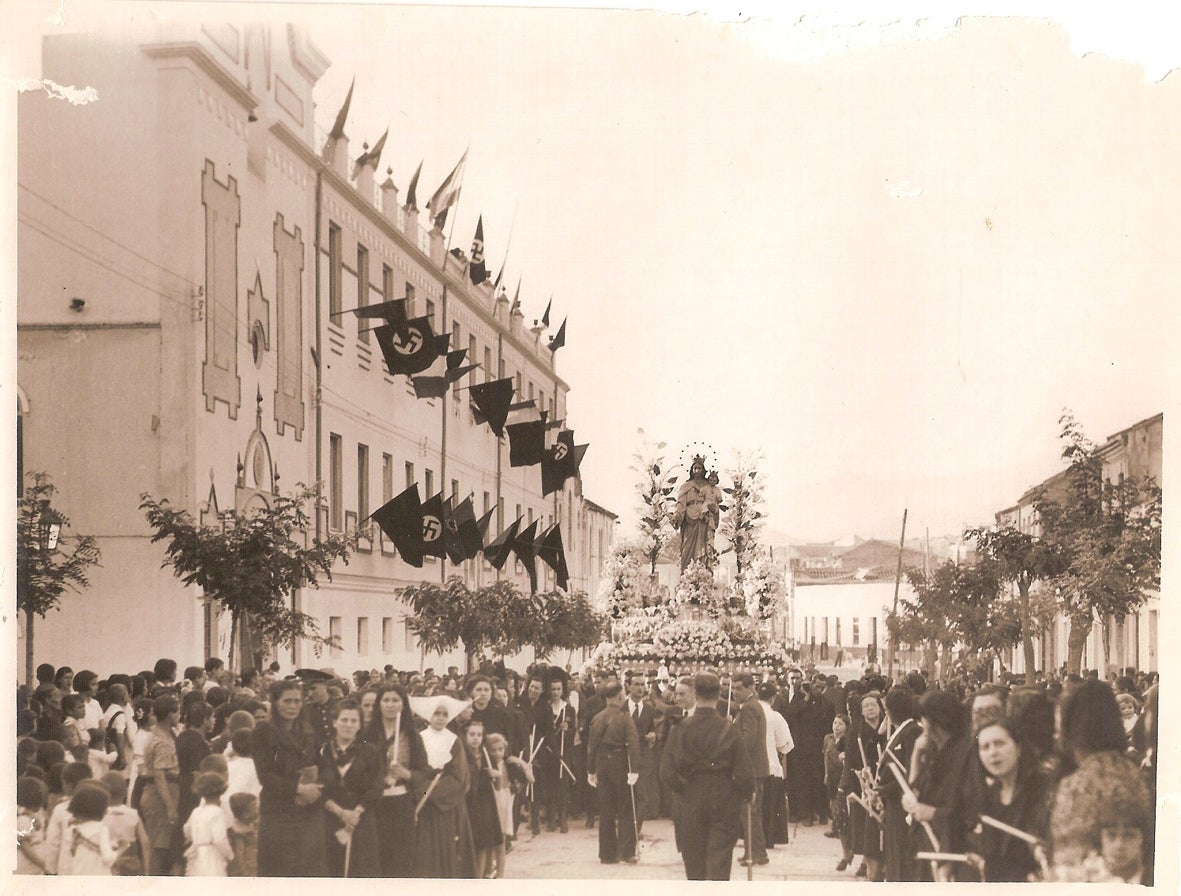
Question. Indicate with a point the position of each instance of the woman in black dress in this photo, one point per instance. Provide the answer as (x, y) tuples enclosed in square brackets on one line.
[(401, 754), (481, 801), (862, 749), (352, 773)]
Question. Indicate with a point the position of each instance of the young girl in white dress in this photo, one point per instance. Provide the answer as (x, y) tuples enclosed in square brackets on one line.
[(86, 843), (206, 830)]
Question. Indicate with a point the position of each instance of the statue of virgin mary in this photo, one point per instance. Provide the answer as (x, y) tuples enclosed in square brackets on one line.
[(696, 515)]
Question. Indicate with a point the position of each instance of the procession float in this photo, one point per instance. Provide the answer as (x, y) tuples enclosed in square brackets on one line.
[(676, 603)]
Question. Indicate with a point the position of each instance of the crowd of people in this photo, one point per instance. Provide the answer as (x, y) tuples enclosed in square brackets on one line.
[(424, 774)]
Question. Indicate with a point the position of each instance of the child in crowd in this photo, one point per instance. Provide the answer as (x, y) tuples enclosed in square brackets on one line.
[(834, 759), (243, 835), (505, 770), (70, 776), (209, 848), (86, 846), (127, 830), (241, 776), (30, 826), (487, 836)]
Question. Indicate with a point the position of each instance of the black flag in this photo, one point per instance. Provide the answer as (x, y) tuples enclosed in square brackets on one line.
[(429, 386), (409, 347), (493, 400), (392, 312), (434, 530), (401, 520), (482, 525), (411, 199), (525, 549), (559, 338), (545, 317), (455, 374), (338, 125), (465, 532), (558, 465), (515, 406), (498, 550), (579, 454), (553, 555), (476, 270), (526, 443)]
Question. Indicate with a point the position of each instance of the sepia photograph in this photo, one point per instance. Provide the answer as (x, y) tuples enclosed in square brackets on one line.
[(556, 443)]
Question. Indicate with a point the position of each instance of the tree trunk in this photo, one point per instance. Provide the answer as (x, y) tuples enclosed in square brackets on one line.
[(247, 659), (1027, 635), (1105, 624), (29, 679), (1076, 642)]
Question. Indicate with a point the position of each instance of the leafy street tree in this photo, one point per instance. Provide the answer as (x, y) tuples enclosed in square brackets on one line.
[(570, 623), (1109, 538), (656, 527), (253, 567), (1021, 559), (742, 517), (44, 570)]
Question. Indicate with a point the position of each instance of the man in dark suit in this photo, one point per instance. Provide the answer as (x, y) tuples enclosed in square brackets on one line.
[(594, 704), (815, 721), (644, 716), (790, 704), (612, 751), (751, 725), (711, 771), (896, 847)]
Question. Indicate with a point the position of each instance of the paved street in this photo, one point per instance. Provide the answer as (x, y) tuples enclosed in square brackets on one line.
[(809, 856)]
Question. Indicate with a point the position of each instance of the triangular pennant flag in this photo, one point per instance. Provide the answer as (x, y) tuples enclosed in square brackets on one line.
[(579, 454), (558, 464), (411, 198), (545, 317), (493, 400), (499, 276), (455, 374), (408, 347), (401, 519), (455, 358), (555, 424), (453, 544), (393, 311), (434, 530), (553, 555), (371, 156), (497, 552), (476, 269), (483, 522), (523, 546), (468, 534), (429, 386), (338, 125), (516, 299), (447, 194), (516, 406), (526, 443), (443, 344), (559, 338)]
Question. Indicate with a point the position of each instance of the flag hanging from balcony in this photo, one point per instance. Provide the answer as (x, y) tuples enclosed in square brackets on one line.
[(553, 555), (545, 317), (558, 465), (409, 347), (412, 190), (429, 386), (482, 524), (392, 312), (463, 531), (434, 530), (525, 549), (515, 406), (370, 156), (559, 338), (492, 400), (447, 194), (526, 443), (341, 116), (400, 519), (476, 268), (498, 550)]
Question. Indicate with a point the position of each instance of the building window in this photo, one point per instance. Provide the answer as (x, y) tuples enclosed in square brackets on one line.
[(387, 634), (334, 268), (487, 502), (856, 631), (471, 359), (410, 480), (409, 641), (838, 629), (454, 492), (518, 378), (387, 477), (487, 363), (362, 291), (500, 369), (518, 516), (409, 298), (362, 482), (336, 485), (430, 312), (362, 635), (531, 391), (428, 484), (335, 631)]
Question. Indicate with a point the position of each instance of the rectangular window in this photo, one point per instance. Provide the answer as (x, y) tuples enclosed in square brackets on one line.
[(387, 283), (519, 392), (362, 291), (409, 299), (471, 359), (454, 492), (430, 312), (409, 474), (362, 481), (856, 631), (838, 627), (362, 635), (500, 369), (487, 363), (518, 516), (334, 268), (387, 477), (531, 392), (487, 502), (428, 484), (335, 632), (387, 634), (529, 511), (336, 485), (409, 640)]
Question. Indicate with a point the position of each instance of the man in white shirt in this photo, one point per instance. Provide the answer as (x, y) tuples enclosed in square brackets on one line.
[(779, 744), (86, 684), (118, 719)]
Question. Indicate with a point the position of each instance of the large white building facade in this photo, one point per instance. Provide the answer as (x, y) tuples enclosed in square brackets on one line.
[(183, 245)]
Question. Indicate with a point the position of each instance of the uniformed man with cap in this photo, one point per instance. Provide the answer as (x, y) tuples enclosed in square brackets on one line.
[(612, 755), (314, 715), (711, 771)]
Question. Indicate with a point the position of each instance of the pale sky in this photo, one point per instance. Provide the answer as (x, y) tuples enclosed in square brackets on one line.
[(885, 255)]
